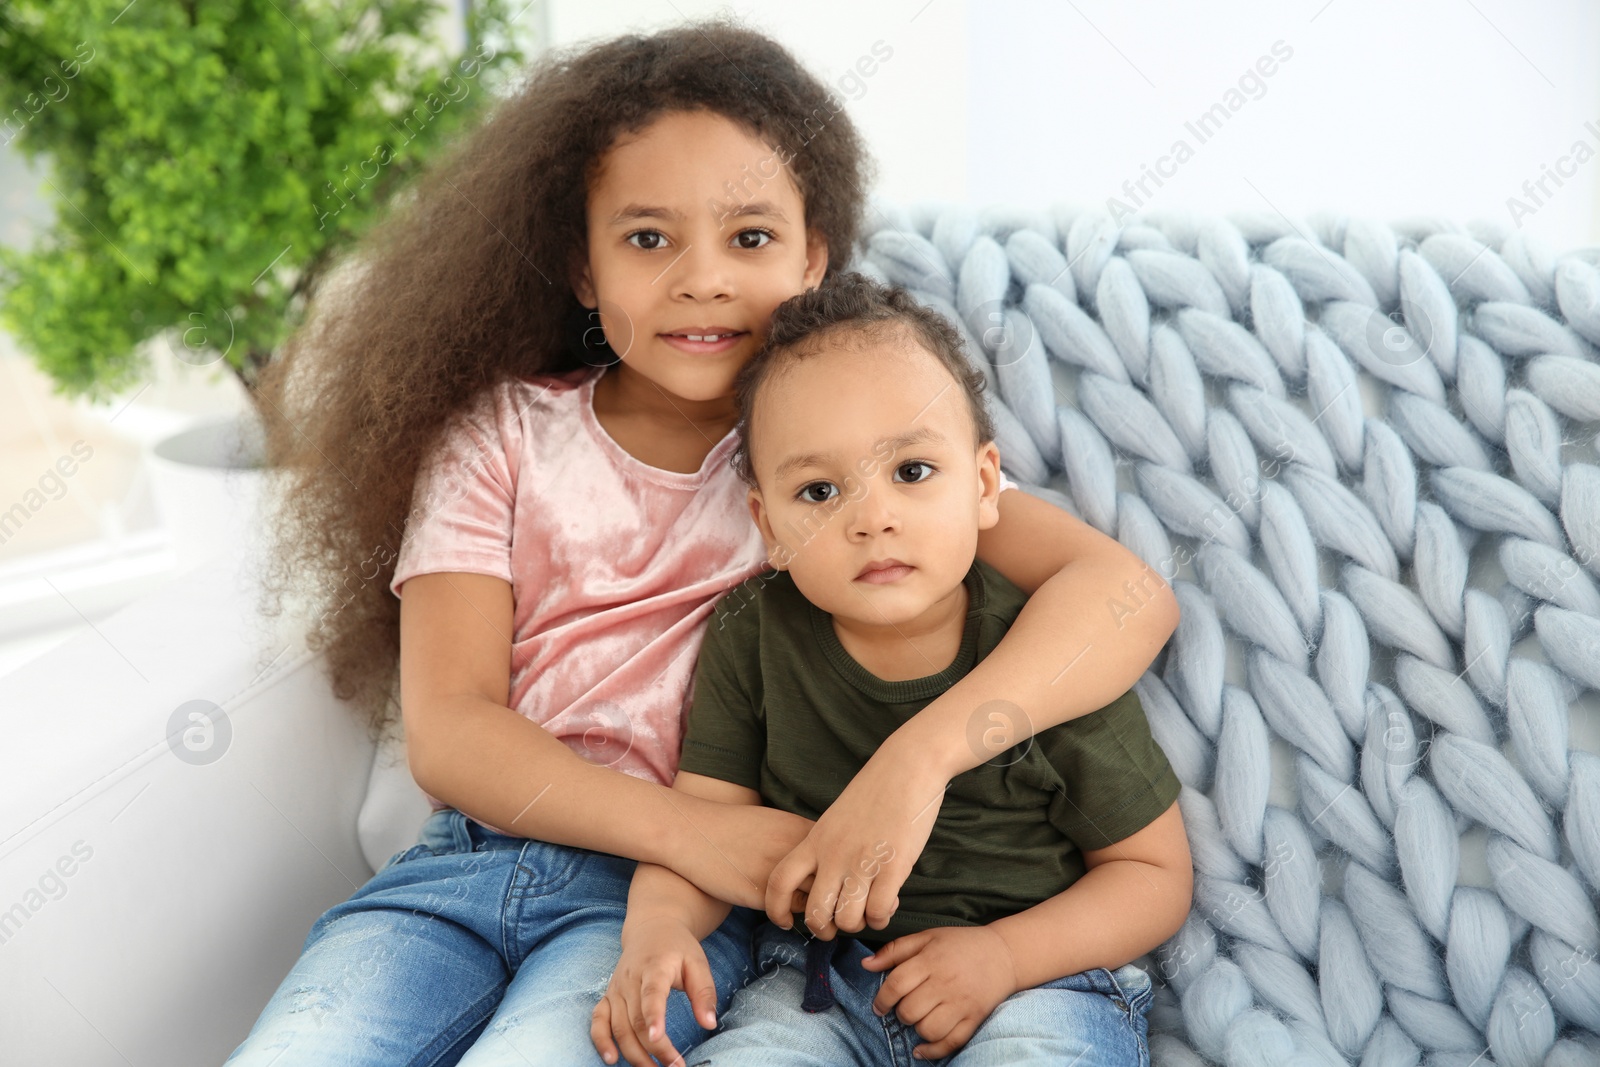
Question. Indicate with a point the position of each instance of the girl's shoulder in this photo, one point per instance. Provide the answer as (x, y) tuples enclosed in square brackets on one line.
[(534, 398), (535, 411), (555, 382), (543, 410)]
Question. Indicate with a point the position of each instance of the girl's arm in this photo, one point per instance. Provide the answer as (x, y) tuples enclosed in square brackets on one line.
[(468, 749), (1096, 617), (658, 891), (1135, 895)]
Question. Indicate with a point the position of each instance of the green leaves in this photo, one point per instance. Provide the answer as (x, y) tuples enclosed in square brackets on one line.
[(205, 159)]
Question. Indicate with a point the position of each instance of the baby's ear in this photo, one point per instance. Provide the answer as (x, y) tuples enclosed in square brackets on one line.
[(758, 514), (989, 485)]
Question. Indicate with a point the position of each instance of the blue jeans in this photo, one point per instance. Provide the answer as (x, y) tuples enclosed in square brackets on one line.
[(1089, 1019), (471, 947)]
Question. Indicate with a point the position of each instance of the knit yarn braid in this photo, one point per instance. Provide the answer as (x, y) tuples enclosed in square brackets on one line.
[(1364, 456)]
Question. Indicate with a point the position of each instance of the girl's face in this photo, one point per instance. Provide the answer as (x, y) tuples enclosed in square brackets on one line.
[(695, 228)]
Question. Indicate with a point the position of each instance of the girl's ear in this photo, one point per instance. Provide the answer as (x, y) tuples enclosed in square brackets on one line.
[(582, 284), (816, 258)]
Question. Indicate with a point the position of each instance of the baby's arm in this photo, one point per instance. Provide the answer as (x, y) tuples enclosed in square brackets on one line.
[(1134, 895), (1096, 617), (668, 917)]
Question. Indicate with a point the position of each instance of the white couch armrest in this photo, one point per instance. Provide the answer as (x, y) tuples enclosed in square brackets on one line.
[(155, 889)]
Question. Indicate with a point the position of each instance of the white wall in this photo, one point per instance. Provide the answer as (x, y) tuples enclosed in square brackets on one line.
[(1433, 106), (912, 110), (1430, 107)]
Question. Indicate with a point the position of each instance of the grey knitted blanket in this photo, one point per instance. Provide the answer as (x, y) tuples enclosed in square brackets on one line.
[(1364, 456)]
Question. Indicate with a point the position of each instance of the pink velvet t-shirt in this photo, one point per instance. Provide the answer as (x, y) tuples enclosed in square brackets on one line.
[(614, 565)]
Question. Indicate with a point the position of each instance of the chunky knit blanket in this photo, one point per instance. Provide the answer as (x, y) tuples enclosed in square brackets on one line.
[(1364, 456)]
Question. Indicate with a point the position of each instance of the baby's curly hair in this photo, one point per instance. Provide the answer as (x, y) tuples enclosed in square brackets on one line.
[(851, 303), (466, 283)]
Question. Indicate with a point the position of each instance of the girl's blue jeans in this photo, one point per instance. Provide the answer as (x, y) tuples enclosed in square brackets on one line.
[(1095, 1018), (475, 948)]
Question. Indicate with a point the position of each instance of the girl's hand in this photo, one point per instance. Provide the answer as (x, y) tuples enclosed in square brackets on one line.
[(862, 848), (946, 982), (658, 956)]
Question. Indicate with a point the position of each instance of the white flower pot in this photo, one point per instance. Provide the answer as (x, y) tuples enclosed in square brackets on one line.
[(207, 482)]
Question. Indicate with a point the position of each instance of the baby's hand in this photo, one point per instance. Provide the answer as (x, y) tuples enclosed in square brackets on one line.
[(945, 982), (658, 956)]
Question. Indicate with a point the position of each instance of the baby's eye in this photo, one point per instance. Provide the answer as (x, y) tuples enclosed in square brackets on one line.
[(755, 231), (918, 463), (649, 235), (805, 492)]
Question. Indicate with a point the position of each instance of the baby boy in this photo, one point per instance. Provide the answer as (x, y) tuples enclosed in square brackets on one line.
[(872, 468)]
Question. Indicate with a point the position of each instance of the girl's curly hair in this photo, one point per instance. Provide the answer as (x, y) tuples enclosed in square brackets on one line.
[(466, 283)]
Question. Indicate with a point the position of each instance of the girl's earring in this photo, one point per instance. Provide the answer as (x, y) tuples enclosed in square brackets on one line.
[(592, 347), (596, 350)]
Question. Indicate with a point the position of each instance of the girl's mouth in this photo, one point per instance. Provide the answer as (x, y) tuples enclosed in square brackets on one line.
[(709, 341)]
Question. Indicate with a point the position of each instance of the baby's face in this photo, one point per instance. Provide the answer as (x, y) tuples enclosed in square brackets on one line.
[(865, 452)]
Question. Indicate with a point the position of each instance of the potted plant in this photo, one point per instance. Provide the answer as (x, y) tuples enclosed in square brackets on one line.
[(206, 162)]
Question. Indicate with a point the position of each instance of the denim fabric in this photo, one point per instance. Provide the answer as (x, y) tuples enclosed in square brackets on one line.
[(1089, 1019), (475, 948)]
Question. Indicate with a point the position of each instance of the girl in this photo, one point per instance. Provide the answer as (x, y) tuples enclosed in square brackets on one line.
[(525, 379)]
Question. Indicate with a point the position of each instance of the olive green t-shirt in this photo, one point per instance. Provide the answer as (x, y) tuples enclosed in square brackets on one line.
[(778, 706)]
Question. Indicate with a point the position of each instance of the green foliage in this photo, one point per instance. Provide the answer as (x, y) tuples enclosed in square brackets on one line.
[(207, 158)]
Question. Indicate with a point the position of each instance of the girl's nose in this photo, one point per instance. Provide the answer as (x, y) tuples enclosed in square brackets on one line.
[(701, 272)]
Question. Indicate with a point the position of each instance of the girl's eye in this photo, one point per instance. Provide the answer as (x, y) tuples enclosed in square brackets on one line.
[(748, 240), (755, 231), (918, 463), (805, 493)]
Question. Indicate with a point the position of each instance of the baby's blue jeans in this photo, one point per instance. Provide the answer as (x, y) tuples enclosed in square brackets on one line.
[(475, 948), (1095, 1018)]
